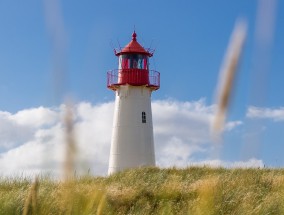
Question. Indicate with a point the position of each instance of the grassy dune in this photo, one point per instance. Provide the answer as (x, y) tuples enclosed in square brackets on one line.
[(195, 190)]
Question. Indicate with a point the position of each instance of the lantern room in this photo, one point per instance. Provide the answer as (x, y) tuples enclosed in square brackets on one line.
[(133, 61), (133, 67)]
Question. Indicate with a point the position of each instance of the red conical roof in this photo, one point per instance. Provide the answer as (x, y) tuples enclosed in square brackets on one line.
[(134, 47)]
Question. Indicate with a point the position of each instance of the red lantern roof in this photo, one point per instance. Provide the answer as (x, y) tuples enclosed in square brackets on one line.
[(134, 47)]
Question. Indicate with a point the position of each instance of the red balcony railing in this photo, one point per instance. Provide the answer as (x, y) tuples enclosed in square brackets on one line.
[(134, 77)]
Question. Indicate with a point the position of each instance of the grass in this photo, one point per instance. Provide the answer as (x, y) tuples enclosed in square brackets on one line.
[(195, 190)]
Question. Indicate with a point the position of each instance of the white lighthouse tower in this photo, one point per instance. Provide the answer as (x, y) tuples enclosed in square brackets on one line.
[(132, 143)]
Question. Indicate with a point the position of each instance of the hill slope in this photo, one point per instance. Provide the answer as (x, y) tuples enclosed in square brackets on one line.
[(195, 190)]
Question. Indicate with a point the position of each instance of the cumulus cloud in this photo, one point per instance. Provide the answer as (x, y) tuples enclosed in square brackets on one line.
[(42, 150), (231, 125), (175, 152), (276, 114), (182, 129), (187, 120), (36, 117), (17, 129), (33, 141), (251, 163)]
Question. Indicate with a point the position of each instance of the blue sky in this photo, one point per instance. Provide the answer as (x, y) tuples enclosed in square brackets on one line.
[(41, 40)]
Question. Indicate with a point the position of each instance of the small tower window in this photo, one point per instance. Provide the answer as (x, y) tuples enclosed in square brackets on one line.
[(143, 117)]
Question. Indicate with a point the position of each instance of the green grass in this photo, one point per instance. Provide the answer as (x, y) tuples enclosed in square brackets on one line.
[(195, 190)]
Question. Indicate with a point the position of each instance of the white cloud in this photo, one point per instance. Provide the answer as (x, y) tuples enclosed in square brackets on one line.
[(182, 129), (276, 114), (251, 163), (33, 140), (42, 148), (231, 125), (17, 129), (175, 152), (35, 117), (187, 120)]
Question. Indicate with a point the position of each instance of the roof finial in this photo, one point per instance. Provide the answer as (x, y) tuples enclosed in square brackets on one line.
[(134, 36)]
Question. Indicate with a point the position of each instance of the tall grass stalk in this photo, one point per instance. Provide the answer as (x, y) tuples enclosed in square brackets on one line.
[(70, 142), (30, 206), (227, 76)]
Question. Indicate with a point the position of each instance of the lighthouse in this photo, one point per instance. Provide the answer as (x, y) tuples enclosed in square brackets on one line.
[(132, 142)]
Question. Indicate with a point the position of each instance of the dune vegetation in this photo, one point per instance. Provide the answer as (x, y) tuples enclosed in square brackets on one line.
[(194, 190)]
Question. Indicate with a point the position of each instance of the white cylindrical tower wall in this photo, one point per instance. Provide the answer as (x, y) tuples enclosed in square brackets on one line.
[(132, 143)]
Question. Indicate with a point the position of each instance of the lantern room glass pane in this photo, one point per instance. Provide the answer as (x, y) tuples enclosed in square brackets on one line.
[(133, 61)]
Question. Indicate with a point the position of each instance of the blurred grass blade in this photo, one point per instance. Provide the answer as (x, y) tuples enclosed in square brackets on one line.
[(30, 206), (71, 149), (227, 76)]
